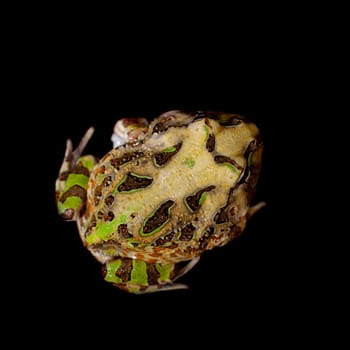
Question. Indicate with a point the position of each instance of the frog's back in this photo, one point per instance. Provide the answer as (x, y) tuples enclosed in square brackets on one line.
[(184, 188)]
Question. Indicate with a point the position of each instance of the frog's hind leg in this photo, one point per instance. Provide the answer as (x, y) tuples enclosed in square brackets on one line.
[(138, 277), (73, 178), (171, 285), (189, 266)]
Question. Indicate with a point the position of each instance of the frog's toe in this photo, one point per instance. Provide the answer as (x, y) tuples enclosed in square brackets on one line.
[(187, 267), (159, 288)]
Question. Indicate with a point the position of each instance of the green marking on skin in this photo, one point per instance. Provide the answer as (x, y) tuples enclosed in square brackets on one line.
[(76, 179), (206, 132), (139, 244), (229, 165), (202, 198), (70, 203), (99, 178), (104, 230), (116, 187), (168, 150), (190, 162), (250, 158), (164, 271), (111, 269), (139, 273), (88, 162), (187, 206), (109, 252)]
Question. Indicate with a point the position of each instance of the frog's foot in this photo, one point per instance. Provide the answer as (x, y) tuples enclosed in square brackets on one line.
[(71, 157), (136, 276), (174, 286), (252, 210), (187, 267), (165, 287), (73, 178), (128, 130)]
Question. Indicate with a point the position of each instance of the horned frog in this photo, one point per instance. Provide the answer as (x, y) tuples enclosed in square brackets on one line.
[(167, 191)]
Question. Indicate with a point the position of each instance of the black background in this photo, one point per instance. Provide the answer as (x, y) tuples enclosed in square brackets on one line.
[(254, 281), (251, 274), (65, 69)]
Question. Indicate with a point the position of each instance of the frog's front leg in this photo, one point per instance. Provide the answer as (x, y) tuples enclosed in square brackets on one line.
[(73, 178)]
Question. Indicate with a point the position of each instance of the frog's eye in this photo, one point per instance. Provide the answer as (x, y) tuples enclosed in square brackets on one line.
[(163, 157), (194, 201), (158, 219)]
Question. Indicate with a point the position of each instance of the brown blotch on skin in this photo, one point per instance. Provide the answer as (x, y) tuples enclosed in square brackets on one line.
[(223, 159), (152, 274), (187, 232), (158, 218), (221, 216), (193, 201), (98, 191), (101, 215), (162, 158), (109, 200), (159, 127), (76, 169), (124, 270), (247, 170), (74, 191), (210, 145), (126, 158), (109, 216), (163, 240), (107, 181), (204, 240), (123, 231), (251, 175), (133, 182), (91, 224)]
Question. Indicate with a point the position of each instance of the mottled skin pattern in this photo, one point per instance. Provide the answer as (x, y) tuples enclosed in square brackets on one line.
[(163, 196)]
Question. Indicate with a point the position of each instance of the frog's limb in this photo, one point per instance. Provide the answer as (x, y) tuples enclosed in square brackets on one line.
[(187, 267), (128, 130), (137, 276), (252, 210), (73, 178), (171, 285)]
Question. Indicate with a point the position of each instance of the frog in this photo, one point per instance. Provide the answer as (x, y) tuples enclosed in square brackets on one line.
[(170, 189)]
